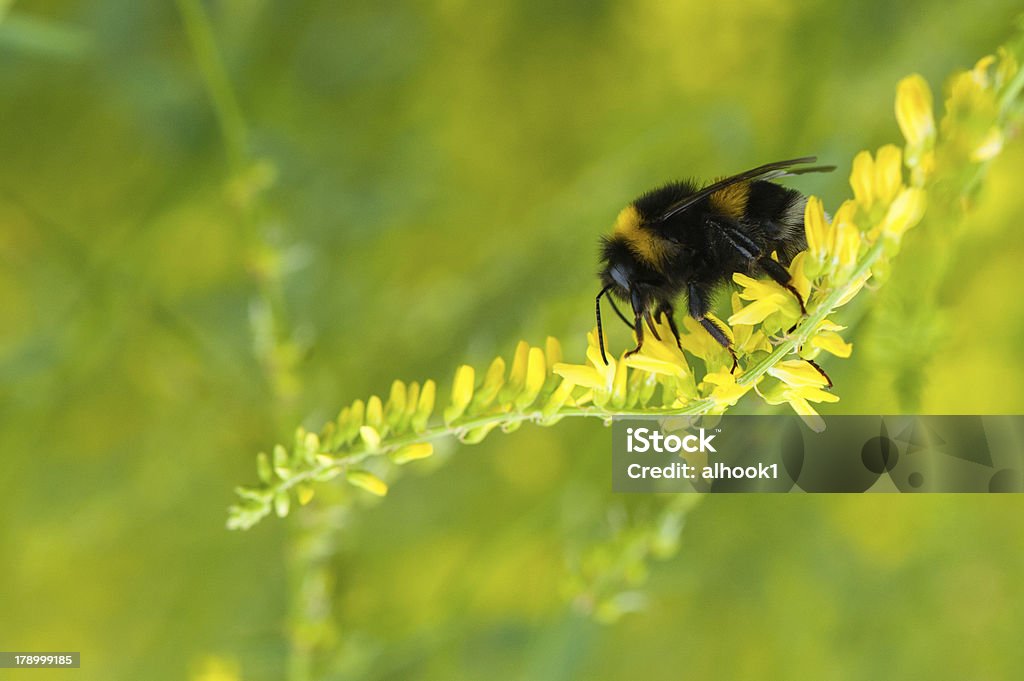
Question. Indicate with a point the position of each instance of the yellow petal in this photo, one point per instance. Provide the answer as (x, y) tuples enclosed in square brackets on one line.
[(847, 246), (655, 365), (367, 481), (758, 311), (989, 147), (914, 111), (832, 342), (558, 398), (853, 288), (462, 392), (862, 178), (905, 212), (418, 450), (580, 374), (552, 351), (425, 407), (798, 373), (374, 412), (370, 437), (888, 172), (536, 374), (815, 228)]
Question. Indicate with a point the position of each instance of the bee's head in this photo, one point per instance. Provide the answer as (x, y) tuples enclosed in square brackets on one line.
[(623, 271)]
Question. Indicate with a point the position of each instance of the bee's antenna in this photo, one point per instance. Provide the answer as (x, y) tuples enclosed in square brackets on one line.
[(600, 329)]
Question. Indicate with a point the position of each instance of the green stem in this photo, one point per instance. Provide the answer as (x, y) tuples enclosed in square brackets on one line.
[(218, 86)]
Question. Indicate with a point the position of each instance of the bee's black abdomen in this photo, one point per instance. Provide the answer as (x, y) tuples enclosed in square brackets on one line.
[(781, 212)]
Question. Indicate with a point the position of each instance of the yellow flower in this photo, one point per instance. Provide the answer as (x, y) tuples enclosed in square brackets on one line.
[(596, 375), (862, 178), (801, 385), (798, 373), (878, 179), (914, 112), (888, 173), (827, 339), (816, 228), (462, 392), (989, 146), (697, 341), (747, 339), (905, 212), (660, 356), (726, 391), (768, 297)]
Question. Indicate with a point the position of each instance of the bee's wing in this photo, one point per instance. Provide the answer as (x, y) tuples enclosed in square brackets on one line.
[(769, 171)]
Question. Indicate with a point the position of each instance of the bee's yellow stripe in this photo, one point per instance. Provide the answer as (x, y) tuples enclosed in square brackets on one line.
[(731, 200), (648, 246)]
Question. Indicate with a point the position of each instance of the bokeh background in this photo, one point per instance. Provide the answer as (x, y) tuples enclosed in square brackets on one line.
[(219, 220)]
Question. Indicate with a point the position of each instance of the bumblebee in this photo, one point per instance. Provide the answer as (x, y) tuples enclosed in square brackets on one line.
[(681, 238)]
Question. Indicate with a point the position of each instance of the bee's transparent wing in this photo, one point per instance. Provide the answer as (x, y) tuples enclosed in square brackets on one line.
[(769, 171)]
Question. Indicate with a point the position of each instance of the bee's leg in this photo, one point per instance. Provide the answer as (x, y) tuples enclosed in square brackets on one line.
[(820, 371), (666, 310), (638, 328), (781, 276), (650, 323), (699, 307)]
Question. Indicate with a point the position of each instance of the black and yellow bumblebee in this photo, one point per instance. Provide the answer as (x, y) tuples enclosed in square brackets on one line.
[(683, 238)]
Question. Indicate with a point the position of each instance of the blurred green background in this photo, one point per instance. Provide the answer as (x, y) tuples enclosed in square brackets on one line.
[(389, 190)]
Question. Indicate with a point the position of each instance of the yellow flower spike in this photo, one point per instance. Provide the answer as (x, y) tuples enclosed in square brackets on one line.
[(905, 212), (425, 407), (552, 351), (798, 373), (374, 412), (888, 173), (370, 437), (462, 393), (368, 482), (914, 114), (536, 374), (816, 228), (417, 450), (862, 179)]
